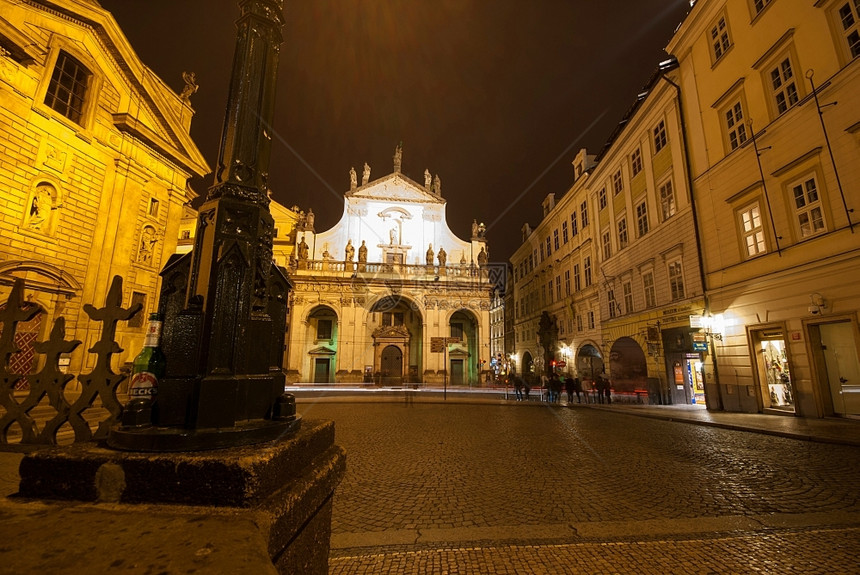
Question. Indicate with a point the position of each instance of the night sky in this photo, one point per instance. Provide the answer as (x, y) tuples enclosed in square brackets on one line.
[(494, 96)]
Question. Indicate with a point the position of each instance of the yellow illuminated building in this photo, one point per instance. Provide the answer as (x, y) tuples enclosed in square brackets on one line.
[(776, 178), (95, 156)]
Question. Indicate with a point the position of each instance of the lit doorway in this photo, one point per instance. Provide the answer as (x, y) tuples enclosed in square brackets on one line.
[(836, 360), (774, 372)]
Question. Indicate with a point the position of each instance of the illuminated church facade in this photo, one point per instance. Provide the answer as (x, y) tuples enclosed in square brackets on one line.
[(373, 295)]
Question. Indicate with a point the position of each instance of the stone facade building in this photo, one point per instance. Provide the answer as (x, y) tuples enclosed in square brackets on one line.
[(95, 156), (371, 294)]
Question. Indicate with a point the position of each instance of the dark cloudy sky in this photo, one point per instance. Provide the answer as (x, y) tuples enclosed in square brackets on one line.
[(495, 96)]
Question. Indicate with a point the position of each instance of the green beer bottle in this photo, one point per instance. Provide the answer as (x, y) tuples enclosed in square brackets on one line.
[(149, 365)]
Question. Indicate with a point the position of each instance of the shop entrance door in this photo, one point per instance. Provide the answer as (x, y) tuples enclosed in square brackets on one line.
[(843, 366), (773, 369), (696, 375)]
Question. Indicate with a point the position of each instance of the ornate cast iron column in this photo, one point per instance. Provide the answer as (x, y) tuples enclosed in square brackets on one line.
[(225, 303)]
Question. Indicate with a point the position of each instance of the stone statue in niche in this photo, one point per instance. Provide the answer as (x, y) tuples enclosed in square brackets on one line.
[(39, 216), (349, 251), (429, 255), (303, 249), (443, 257), (365, 177), (392, 235), (146, 249)]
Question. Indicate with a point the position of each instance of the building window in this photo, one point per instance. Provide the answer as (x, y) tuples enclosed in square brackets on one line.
[(760, 5), (185, 235), (566, 282), (667, 200), (324, 328), (735, 127), (574, 226), (648, 288), (583, 210), (622, 233), (391, 318), (548, 246), (67, 89), (642, 219), (627, 288), (555, 239), (586, 267), (578, 322), (752, 231), (549, 292), (676, 280), (457, 330), (783, 86), (564, 237), (720, 41), (617, 183), (138, 298), (542, 256), (601, 198), (558, 287), (660, 137), (612, 303), (849, 16), (577, 283), (607, 246), (153, 207), (807, 207), (636, 161), (590, 319)]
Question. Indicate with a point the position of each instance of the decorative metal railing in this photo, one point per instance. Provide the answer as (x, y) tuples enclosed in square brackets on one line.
[(411, 271), (99, 385)]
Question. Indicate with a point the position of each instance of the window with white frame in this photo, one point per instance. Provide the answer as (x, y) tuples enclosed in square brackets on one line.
[(612, 303), (720, 40), (549, 292), (667, 200), (555, 239), (783, 85), (67, 89), (807, 206), (601, 199), (583, 211), (642, 219), (548, 246), (736, 130), (564, 236), (566, 282), (649, 289), (849, 18), (542, 253), (586, 268), (617, 183), (627, 290), (752, 230), (660, 137), (558, 287), (622, 233), (636, 161), (607, 246), (676, 280), (577, 282), (574, 226)]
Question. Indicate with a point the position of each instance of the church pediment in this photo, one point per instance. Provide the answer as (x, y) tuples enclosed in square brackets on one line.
[(391, 332), (395, 187), (322, 350)]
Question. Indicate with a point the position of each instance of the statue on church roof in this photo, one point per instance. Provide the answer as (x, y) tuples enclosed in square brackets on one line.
[(443, 257), (474, 229), (349, 251), (365, 177), (428, 180), (398, 157), (482, 257), (437, 183), (362, 252), (353, 179), (309, 219), (429, 255), (303, 249), (190, 88)]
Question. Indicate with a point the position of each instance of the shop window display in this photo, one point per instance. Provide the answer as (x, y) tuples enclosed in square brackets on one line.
[(775, 367)]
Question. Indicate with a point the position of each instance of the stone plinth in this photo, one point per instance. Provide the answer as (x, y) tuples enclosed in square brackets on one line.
[(254, 507)]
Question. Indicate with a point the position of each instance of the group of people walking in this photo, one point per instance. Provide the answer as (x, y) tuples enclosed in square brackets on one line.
[(553, 385)]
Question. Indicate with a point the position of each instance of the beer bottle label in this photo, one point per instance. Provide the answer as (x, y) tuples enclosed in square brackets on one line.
[(144, 384)]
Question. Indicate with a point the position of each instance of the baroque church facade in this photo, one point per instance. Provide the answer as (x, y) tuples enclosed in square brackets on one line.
[(373, 295), (96, 156)]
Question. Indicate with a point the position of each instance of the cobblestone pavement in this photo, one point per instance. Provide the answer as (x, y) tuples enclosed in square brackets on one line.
[(460, 488)]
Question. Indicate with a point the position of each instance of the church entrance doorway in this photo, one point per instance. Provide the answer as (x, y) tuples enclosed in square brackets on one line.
[(321, 369), (391, 364)]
